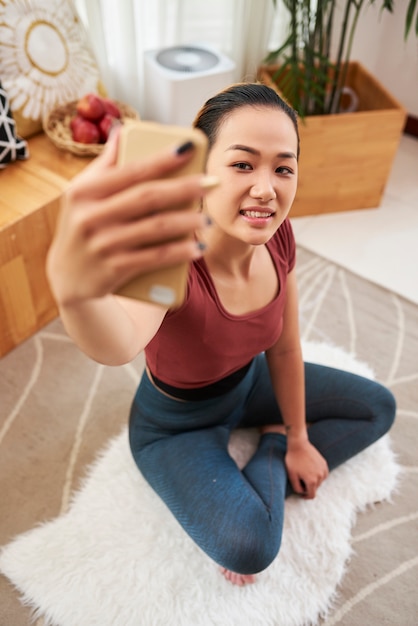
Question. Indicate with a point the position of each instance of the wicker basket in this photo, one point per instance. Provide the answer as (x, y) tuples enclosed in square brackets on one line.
[(57, 126)]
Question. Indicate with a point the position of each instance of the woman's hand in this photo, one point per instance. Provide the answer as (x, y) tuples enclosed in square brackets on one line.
[(119, 222), (306, 467)]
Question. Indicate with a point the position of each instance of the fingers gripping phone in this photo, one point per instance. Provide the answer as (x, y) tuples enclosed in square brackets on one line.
[(166, 286)]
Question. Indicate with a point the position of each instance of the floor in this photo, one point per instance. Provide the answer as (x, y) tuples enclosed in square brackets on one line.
[(379, 244)]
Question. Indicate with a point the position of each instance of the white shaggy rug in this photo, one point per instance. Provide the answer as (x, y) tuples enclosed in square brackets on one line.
[(118, 557)]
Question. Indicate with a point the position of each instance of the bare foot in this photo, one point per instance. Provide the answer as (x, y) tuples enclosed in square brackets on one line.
[(238, 579)]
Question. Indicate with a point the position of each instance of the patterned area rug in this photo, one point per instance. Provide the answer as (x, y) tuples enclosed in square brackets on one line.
[(58, 409)]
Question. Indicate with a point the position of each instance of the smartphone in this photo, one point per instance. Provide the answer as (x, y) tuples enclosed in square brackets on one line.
[(140, 139)]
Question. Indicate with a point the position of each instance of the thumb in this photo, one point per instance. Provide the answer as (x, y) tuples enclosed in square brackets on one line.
[(109, 155)]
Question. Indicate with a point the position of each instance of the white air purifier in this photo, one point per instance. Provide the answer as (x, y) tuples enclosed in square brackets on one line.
[(178, 80)]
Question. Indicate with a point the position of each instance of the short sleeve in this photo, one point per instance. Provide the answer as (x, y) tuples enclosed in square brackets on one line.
[(291, 246), (285, 246)]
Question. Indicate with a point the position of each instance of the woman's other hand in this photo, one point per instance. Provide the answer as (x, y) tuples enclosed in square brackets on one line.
[(306, 468)]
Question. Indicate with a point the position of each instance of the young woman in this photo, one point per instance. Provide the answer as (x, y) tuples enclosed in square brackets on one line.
[(230, 355)]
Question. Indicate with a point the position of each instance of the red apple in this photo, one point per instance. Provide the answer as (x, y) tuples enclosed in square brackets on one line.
[(105, 125), (75, 121), (90, 107), (111, 107), (85, 131)]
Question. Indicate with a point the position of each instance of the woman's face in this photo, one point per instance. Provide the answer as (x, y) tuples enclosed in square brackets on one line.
[(254, 156)]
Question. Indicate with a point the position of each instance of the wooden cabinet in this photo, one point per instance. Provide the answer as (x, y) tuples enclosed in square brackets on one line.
[(30, 193)]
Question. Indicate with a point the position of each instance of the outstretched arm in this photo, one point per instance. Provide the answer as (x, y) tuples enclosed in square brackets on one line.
[(116, 223)]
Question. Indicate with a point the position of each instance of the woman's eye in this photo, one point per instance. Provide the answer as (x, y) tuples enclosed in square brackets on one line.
[(284, 170), (242, 166)]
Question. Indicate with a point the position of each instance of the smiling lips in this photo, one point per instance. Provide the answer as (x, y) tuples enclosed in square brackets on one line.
[(256, 214)]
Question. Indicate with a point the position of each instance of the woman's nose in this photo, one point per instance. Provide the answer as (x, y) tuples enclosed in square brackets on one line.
[(263, 188)]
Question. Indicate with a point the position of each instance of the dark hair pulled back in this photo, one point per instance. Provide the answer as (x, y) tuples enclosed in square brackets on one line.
[(219, 107)]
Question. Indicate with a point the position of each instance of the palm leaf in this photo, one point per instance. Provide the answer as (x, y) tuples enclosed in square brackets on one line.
[(409, 18)]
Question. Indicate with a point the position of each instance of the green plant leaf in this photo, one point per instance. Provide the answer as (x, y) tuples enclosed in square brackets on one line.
[(307, 77), (409, 18), (272, 57), (388, 5)]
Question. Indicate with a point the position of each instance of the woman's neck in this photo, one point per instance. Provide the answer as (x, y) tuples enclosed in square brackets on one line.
[(227, 255)]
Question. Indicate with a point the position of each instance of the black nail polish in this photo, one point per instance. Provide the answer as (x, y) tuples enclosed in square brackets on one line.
[(185, 147)]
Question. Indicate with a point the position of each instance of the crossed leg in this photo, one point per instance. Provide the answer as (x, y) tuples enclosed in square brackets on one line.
[(236, 516)]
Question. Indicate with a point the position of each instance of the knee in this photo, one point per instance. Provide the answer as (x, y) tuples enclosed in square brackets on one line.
[(385, 409), (247, 554)]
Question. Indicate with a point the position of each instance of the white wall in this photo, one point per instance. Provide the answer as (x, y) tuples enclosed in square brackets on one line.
[(379, 45), (379, 42)]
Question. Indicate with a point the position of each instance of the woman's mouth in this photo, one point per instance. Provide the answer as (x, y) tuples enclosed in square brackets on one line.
[(256, 214)]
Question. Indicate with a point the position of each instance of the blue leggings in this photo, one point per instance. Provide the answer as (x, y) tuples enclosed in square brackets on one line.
[(236, 516)]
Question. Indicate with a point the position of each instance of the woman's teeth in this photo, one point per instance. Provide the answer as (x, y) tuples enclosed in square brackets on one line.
[(256, 214)]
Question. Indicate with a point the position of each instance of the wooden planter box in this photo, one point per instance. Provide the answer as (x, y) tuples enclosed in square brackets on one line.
[(346, 158)]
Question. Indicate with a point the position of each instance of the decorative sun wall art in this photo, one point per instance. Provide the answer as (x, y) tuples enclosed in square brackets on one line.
[(45, 59)]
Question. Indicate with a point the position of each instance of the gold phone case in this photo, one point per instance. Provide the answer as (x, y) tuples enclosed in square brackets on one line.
[(166, 286)]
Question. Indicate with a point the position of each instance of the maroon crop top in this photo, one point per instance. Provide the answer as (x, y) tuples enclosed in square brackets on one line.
[(200, 342)]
